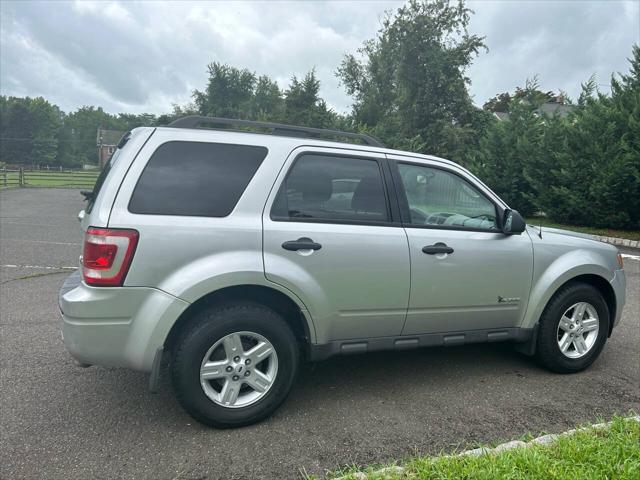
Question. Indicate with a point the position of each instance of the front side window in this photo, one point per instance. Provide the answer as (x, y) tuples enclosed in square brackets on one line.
[(195, 179), (331, 188), (440, 198)]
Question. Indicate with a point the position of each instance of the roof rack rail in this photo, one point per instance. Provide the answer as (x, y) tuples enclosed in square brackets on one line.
[(194, 121)]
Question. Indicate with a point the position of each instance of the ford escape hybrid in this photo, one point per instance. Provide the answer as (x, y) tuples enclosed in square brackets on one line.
[(225, 258)]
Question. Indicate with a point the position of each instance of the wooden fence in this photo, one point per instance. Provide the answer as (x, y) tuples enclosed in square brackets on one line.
[(47, 178)]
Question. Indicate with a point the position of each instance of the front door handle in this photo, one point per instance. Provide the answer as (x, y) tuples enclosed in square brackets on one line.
[(303, 243), (437, 248)]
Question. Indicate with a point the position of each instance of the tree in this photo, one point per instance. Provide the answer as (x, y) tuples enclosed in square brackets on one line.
[(519, 154), (80, 130), (595, 176), (239, 93), (409, 84), (228, 94), (28, 131), (500, 103), (267, 102), (303, 105)]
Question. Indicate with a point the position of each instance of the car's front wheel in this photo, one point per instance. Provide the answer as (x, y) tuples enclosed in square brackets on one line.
[(573, 328), (234, 365)]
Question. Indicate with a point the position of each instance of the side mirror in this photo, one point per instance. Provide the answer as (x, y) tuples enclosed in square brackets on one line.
[(512, 222)]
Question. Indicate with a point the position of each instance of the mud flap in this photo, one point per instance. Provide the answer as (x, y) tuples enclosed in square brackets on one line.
[(529, 347), (154, 378)]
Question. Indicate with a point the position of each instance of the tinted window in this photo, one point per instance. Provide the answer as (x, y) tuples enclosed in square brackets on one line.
[(195, 179), (437, 197), (332, 188), (105, 172)]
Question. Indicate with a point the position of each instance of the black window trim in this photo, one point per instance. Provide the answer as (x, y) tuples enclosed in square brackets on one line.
[(106, 170), (185, 214), (393, 209), (403, 202)]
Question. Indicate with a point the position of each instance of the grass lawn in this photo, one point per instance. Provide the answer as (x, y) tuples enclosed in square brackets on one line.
[(630, 234), (607, 453), (44, 178)]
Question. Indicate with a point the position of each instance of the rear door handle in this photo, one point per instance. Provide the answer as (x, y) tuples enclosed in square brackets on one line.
[(302, 243), (437, 248)]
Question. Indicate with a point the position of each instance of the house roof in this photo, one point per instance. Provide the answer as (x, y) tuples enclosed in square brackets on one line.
[(108, 138), (556, 109), (548, 108)]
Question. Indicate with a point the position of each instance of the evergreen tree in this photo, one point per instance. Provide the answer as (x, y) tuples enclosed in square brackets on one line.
[(510, 147), (303, 105), (596, 177), (228, 94)]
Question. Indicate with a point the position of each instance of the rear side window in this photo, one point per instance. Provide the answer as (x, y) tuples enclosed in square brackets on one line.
[(195, 179), (332, 189)]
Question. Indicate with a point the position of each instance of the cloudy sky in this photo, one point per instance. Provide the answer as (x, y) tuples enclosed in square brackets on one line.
[(143, 56)]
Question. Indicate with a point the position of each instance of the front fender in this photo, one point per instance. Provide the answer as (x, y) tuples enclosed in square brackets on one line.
[(549, 277)]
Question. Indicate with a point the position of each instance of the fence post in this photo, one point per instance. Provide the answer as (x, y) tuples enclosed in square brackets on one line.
[(4, 177), (21, 177)]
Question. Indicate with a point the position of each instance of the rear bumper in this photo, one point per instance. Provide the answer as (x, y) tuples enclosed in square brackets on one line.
[(619, 285), (116, 326)]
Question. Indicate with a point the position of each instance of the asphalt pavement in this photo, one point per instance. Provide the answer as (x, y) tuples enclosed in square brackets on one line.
[(61, 421)]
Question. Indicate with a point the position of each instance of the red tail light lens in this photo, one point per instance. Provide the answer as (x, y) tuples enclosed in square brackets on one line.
[(99, 256), (107, 255)]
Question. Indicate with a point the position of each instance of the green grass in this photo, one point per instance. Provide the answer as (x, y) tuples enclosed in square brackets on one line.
[(51, 179), (630, 234), (607, 453)]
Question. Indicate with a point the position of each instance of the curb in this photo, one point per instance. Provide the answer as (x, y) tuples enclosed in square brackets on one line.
[(476, 452), (622, 242), (543, 440)]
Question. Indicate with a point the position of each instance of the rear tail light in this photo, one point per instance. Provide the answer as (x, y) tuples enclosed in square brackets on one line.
[(107, 255)]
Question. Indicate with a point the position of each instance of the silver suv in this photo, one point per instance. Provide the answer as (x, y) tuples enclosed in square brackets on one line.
[(232, 256)]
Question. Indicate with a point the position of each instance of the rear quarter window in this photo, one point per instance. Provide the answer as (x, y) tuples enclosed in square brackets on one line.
[(195, 179), (102, 177)]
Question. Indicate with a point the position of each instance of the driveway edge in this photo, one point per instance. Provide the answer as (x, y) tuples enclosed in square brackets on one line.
[(622, 242), (476, 452)]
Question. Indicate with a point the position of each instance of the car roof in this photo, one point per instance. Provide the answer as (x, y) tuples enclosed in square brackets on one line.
[(293, 142)]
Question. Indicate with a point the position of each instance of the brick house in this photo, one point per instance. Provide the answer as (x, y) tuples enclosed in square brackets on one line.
[(106, 141)]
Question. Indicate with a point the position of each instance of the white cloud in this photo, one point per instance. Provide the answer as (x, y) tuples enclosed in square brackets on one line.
[(563, 43), (144, 56)]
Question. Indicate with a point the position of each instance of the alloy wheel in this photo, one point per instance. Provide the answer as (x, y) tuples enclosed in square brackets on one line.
[(578, 330), (239, 369)]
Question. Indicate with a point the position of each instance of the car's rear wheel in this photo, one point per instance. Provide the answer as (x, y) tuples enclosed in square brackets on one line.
[(234, 365), (573, 329)]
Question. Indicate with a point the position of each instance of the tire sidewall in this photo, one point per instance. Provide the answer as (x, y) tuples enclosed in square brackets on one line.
[(210, 327), (549, 348)]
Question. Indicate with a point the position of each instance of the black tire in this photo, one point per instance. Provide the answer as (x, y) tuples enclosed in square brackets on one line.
[(548, 352), (209, 326)]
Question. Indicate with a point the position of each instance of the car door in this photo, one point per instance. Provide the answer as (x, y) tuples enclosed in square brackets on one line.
[(465, 273), (331, 238)]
